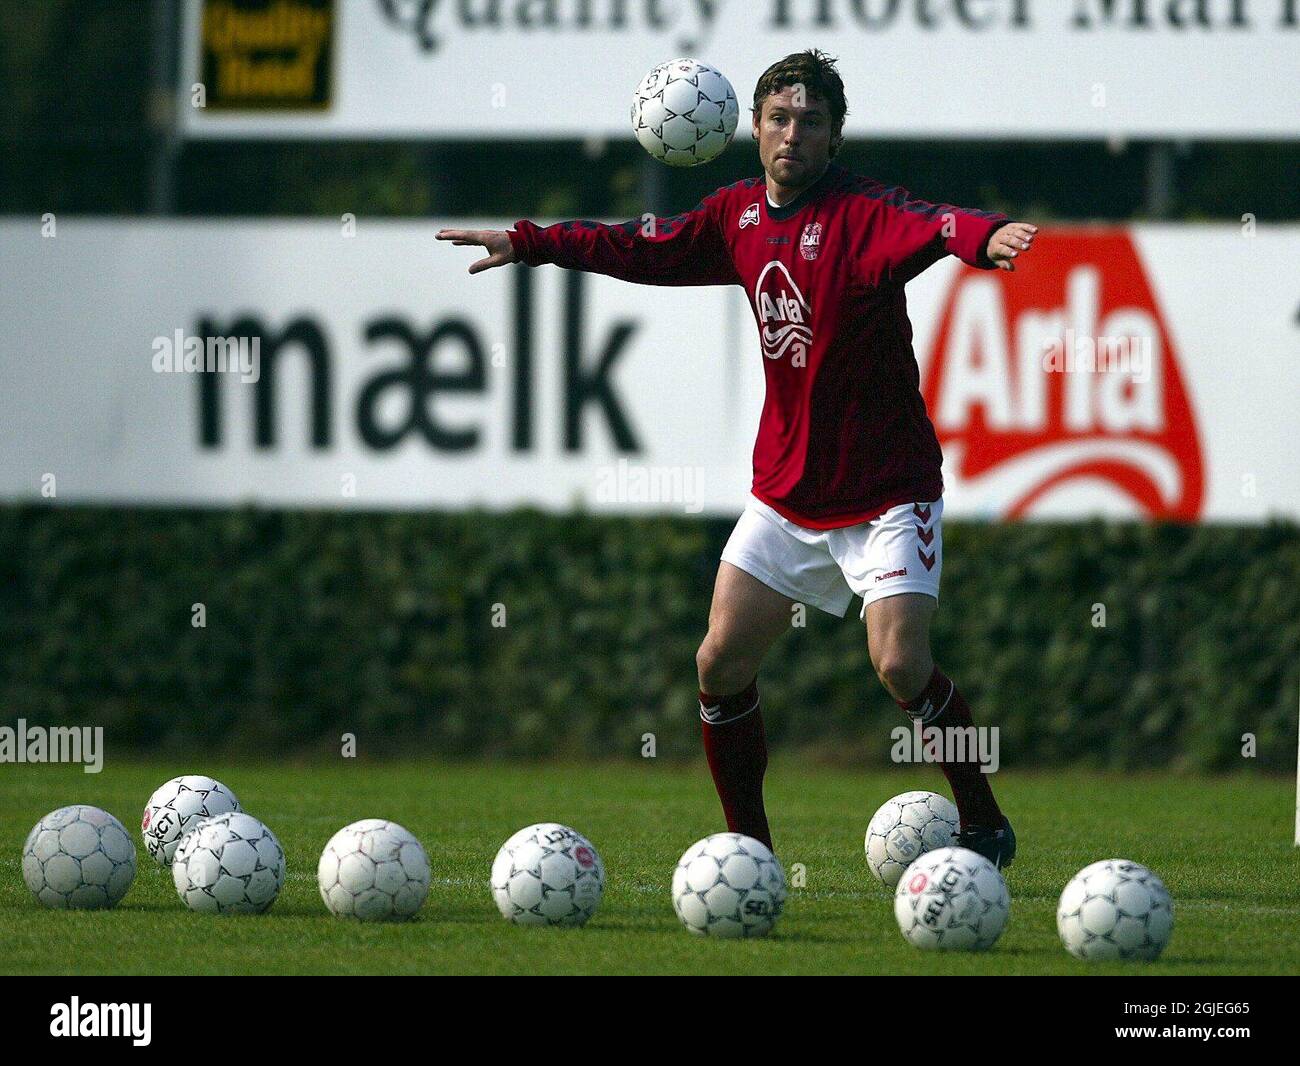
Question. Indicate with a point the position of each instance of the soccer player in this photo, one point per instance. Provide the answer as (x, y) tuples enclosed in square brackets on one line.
[(847, 494)]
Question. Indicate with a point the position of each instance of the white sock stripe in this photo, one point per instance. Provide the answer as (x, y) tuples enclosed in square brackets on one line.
[(928, 712), (952, 687), (704, 714)]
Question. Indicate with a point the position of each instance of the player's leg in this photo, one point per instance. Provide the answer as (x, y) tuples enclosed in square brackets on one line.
[(745, 619), (898, 639), (769, 566), (894, 562)]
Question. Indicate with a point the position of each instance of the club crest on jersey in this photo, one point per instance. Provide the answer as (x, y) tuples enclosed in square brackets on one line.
[(783, 315), (750, 217), (810, 242)]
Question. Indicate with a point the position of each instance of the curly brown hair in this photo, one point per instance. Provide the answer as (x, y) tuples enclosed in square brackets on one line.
[(816, 72)]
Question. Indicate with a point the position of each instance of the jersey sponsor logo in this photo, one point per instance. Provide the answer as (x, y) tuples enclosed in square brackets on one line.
[(892, 573), (783, 314), (1059, 386), (750, 217), (810, 241)]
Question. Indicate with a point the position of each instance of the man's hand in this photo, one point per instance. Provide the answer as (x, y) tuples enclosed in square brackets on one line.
[(496, 241), (1008, 242)]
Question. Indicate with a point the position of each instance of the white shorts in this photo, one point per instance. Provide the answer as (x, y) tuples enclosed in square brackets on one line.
[(900, 551)]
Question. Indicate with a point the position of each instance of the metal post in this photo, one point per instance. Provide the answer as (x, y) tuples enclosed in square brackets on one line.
[(162, 108), (1160, 180)]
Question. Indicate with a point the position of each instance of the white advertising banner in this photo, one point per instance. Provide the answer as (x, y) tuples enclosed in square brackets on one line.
[(485, 69), (1138, 372)]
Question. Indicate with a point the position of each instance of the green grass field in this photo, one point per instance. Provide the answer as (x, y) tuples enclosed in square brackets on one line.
[(1223, 846)]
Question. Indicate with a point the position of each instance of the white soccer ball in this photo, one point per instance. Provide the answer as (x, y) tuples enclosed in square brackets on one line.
[(1115, 909), (684, 113), (177, 807), (906, 826), (729, 885), (79, 857), (952, 899), (373, 870), (230, 864), (548, 874)]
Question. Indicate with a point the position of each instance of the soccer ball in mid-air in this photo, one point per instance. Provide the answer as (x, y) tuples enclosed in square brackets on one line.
[(177, 807), (230, 864), (952, 899), (79, 857), (906, 826), (548, 874), (729, 885), (1115, 909), (684, 113), (373, 870)]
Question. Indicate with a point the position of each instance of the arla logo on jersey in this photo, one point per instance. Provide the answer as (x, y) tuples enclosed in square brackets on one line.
[(783, 315), (810, 241), (1059, 383)]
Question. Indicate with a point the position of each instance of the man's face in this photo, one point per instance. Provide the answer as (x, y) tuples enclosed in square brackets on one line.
[(794, 136)]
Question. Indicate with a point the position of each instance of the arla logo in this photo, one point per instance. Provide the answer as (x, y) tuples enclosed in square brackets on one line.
[(783, 315), (1062, 379)]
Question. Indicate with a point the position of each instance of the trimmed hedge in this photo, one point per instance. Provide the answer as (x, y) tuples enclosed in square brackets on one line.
[(320, 623)]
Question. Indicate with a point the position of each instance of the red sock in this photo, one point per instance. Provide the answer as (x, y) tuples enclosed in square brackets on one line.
[(941, 704), (736, 747)]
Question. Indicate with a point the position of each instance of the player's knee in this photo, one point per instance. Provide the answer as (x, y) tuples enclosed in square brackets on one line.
[(902, 673), (721, 670)]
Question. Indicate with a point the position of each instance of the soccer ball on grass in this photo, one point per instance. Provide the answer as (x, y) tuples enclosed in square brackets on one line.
[(729, 885), (1115, 909), (230, 864), (177, 807), (548, 874), (373, 870), (952, 899), (79, 857), (905, 827)]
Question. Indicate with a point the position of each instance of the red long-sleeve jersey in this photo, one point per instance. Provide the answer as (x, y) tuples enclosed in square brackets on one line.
[(844, 434)]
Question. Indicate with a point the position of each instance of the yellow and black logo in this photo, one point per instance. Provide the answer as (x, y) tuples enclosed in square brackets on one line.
[(267, 54)]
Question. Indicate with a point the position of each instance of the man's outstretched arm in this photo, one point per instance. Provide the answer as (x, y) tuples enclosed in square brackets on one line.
[(685, 249), (912, 234)]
